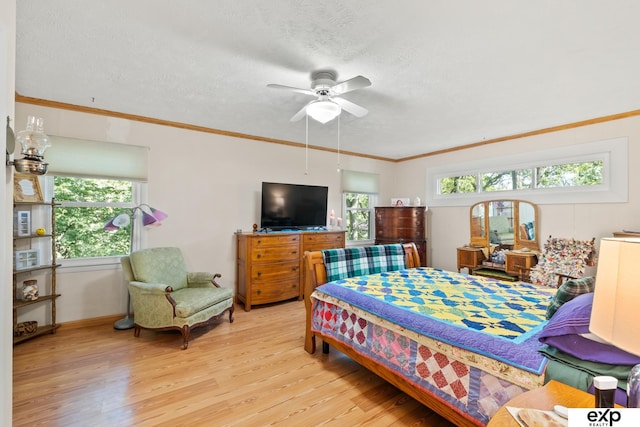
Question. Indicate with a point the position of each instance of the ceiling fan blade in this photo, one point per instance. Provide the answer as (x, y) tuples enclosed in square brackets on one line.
[(300, 114), (293, 89), (357, 82), (350, 107)]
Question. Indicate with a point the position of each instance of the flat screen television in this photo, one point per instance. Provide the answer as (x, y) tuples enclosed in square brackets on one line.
[(293, 206)]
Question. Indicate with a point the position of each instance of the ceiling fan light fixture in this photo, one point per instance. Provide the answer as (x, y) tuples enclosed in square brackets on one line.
[(323, 111)]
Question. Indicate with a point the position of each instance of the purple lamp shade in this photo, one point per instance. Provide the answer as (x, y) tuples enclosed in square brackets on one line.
[(148, 220), (159, 215)]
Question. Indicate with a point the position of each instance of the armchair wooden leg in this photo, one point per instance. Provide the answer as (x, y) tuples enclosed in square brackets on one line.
[(136, 331), (186, 331), (231, 319)]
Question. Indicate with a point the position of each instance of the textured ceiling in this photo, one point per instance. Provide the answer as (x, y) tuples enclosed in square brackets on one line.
[(444, 73)]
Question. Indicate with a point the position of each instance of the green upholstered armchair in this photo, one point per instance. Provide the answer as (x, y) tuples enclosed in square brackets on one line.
[(165, 296)]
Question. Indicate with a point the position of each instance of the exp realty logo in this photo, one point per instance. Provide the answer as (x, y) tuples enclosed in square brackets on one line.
[(604, 417)]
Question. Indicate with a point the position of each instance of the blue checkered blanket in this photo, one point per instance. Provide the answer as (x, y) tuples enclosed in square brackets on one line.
[(362, 261)]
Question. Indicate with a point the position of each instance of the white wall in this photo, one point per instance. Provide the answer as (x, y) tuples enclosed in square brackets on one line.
[(7, 90), (449, 226), (208, 184)]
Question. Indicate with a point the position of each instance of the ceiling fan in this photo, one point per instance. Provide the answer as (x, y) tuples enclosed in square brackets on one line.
[(328, 105)]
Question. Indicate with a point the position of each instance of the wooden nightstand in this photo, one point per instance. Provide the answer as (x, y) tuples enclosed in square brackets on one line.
[(469, 258), (519, 263), (553, 393)]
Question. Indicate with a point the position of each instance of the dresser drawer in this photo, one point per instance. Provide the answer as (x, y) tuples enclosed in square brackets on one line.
[(264, 292), (276, 253), (316, 242), (403, 222), (274, 272), (400, 233), (275, 240)]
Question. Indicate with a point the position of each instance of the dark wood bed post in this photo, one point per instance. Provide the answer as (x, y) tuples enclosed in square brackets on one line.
[(316, 275)]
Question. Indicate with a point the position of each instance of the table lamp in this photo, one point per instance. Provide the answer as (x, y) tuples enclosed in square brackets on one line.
[(615, 315)]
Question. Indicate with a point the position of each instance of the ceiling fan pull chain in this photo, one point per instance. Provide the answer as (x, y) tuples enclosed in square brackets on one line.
[(338, 144), (306, 146)]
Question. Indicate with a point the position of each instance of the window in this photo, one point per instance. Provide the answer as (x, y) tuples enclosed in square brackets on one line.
[(570, 175), (93, 181), (550, 176), (359, 196), (359, 214), (506, 180), (594, 172), (86, 205)]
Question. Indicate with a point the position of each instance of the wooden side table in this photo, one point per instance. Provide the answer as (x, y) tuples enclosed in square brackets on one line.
[(519, 263), (469, 258), (545, 398)]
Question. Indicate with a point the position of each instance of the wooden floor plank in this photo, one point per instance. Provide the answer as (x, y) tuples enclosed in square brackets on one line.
[(253, 372)]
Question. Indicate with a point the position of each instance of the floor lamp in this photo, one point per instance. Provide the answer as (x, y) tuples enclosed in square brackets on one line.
[(150, 217)]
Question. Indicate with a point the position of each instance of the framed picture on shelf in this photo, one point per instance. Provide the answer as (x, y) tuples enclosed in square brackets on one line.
[(28, 258), (26, 188), (23, 223)]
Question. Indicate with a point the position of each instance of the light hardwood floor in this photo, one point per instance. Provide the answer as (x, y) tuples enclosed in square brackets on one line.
[(253, 372)]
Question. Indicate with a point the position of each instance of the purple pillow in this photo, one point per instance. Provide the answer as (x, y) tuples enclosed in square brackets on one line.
[(564, 329)]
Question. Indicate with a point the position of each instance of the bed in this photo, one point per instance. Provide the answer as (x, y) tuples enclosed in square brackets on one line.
[(462, 345)]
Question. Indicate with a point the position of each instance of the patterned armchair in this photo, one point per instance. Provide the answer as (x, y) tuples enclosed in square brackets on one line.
[(165, 296), (563, 259)]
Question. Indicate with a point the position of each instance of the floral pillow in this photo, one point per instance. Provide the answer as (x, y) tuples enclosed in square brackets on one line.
[(561, 255)]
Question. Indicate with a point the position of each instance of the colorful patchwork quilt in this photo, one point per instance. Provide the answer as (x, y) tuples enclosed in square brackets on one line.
[(472, 341)]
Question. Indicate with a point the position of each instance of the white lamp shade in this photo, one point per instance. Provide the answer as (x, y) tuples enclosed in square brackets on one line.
[(122, 220), (615, 315), (323, 111)]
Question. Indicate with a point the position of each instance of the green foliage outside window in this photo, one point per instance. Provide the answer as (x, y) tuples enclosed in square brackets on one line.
[(358, 216), (570, 175), (458, 184), (507, 180), (562, 175), (86, 206)]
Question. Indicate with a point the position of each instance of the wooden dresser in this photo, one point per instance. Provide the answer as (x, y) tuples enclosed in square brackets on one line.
[(402, 225), (270, 265)]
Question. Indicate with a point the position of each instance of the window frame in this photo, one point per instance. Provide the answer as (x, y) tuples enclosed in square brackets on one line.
[(373, 199), (613, 153), (138, 195)]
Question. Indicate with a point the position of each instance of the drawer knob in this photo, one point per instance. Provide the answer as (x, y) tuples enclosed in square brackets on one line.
[(295, 268), (259, 273), (259, 256)]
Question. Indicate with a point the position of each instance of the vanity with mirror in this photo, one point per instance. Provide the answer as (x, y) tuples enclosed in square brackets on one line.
[(504, 240)]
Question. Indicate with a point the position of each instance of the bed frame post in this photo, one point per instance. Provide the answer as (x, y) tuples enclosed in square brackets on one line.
[(315, 275)]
